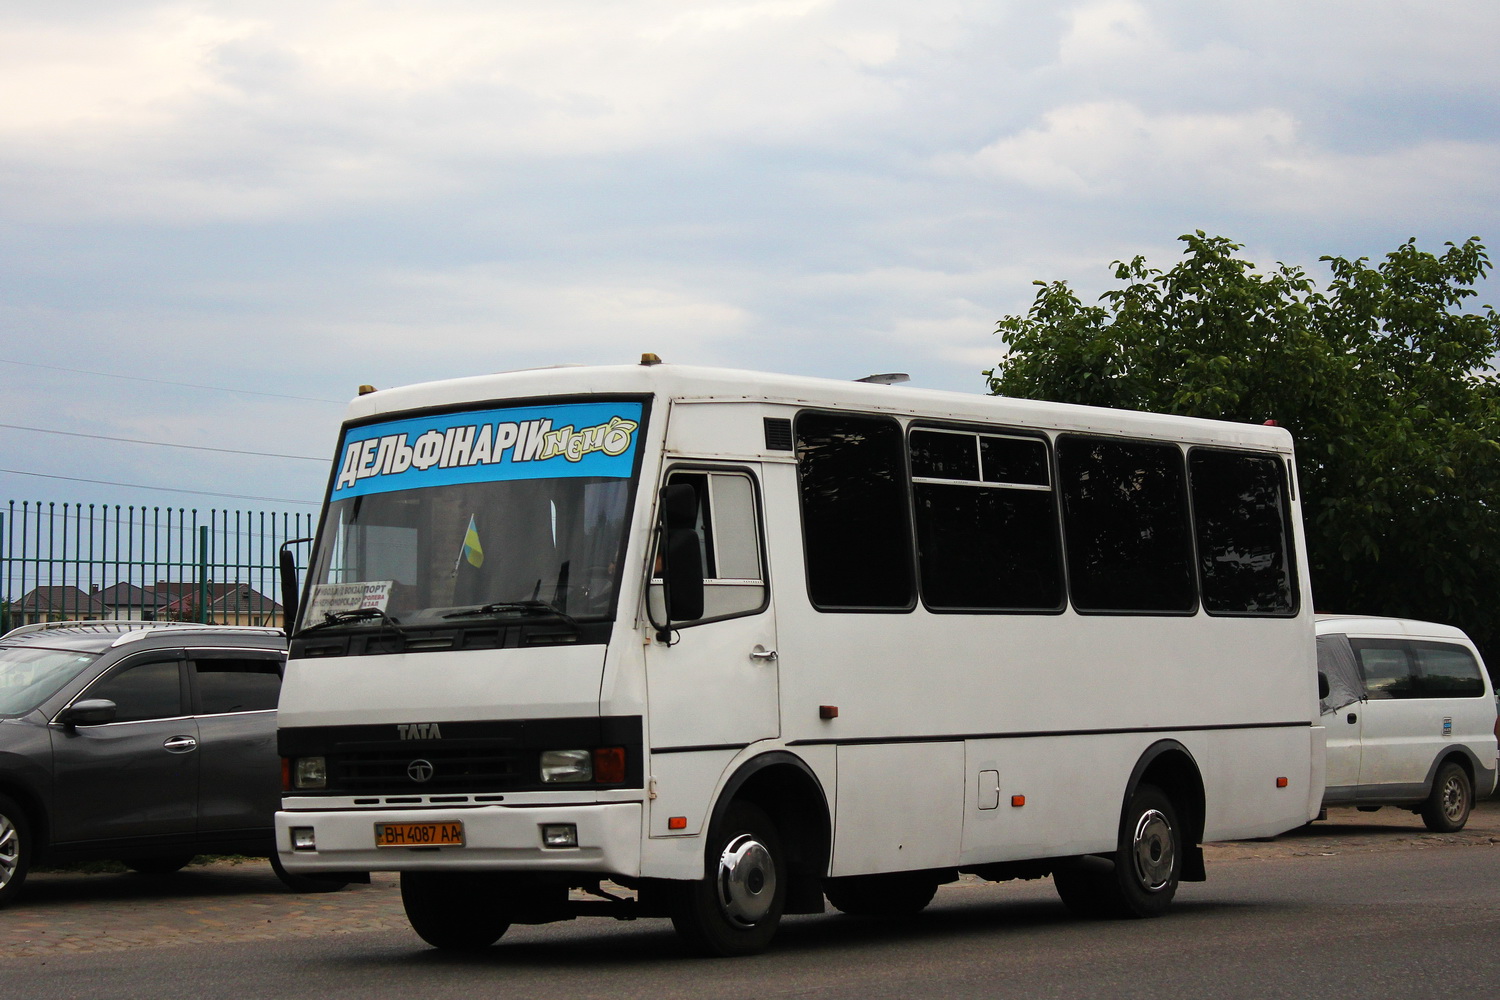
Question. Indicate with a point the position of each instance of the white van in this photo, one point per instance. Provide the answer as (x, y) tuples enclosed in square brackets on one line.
[(1410, 716)]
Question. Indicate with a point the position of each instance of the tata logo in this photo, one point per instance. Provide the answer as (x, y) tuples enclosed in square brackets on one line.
[(418, 731), (420, 771)]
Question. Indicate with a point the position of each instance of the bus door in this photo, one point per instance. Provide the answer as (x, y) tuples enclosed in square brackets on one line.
[(716, 683)]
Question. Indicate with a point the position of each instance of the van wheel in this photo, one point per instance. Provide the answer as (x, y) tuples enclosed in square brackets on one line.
[(454, 911), (1141, 878), (1447, 807), (736, 908), (880, 895), (15, 849)]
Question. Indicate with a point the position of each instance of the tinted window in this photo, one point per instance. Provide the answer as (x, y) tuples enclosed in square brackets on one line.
[(851, 472), (236, 684), (1447, 671), (1244, 547), (1386, 667), (1125, 523), (983, 546), (143, 691)]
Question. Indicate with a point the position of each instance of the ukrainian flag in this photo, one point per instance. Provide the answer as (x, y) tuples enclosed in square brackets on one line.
[(472, 550)]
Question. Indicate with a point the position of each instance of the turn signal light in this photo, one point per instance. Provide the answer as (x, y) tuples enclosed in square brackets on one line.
[(1281, 782), (609, 765)]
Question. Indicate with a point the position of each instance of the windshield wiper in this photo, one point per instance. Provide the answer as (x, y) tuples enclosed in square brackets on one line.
[(535, 609), (332, 618)]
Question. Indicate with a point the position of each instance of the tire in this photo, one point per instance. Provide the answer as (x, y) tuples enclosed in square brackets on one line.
[(1447, 807), (16, 849), (159, 866), (1141, 877), (736, 907), (880, 895), (305, 883), (453, 911)]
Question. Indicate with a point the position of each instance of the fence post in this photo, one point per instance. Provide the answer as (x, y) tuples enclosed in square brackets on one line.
[(203, 615)]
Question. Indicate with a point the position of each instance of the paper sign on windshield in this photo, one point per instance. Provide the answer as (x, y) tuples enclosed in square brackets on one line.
[(529, 442), (331, 598)]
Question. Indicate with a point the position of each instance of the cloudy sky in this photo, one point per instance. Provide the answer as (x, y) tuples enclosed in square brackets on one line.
[(218, 218)]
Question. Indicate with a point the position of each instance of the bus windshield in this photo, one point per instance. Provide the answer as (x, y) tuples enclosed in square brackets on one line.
[(436, 519)]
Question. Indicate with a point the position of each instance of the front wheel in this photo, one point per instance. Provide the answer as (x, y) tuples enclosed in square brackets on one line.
[(736, 908), (15, 849), (305, 883), (454, 911), (1447, 807)]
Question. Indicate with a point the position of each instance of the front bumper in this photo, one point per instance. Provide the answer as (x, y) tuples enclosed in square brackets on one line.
[(496, 838)]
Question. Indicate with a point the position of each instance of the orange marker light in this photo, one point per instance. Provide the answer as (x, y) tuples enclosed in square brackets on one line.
[(1017, 801), (828, 711), (677, 823), (1281, 782)]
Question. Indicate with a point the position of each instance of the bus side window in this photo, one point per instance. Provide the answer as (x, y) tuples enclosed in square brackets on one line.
[(729, 527), (1125, 523)]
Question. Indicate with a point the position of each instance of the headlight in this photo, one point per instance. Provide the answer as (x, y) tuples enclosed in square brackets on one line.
[(567, 765), (310, 772)]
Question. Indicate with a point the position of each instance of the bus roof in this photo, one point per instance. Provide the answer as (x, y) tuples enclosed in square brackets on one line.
[(704, 384)]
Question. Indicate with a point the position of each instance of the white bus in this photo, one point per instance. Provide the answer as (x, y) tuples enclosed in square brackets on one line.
[(651, 640)]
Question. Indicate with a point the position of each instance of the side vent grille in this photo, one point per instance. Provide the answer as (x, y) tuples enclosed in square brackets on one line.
[(778, 434)]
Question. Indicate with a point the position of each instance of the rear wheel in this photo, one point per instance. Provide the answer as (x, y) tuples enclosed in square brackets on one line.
[(1141, 878), (15, 849), (454, 911), (1447, 807), (897, 895), (736, 908)]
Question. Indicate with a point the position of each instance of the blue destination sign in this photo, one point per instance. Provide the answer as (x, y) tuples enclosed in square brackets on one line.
[(524, 442)]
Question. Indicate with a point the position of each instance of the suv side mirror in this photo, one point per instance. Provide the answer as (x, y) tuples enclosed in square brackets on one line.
[(88, 712)]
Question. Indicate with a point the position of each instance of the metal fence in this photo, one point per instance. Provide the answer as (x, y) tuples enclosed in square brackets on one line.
[(71, 561)]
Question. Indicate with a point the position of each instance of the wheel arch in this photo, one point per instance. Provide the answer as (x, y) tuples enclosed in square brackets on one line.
[(1170, 766), (35, 809), (785, 788)]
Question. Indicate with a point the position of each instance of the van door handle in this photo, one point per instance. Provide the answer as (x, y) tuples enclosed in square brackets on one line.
[(1353, 718), (763, 654)]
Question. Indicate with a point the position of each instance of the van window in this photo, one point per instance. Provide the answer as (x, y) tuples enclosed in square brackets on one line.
[(1448, 671), (1125, 523), (1387, 668), (986, 520), (851, 471), (1244, 547), (728, 526)]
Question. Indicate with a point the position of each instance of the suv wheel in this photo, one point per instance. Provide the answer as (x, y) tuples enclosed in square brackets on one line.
[(15, 849)]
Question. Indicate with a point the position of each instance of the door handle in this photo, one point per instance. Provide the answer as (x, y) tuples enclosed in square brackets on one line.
[(1352, 718), (180, 744), (763, 654)]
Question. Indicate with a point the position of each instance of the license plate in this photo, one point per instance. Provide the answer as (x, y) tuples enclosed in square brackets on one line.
[(419, 834)]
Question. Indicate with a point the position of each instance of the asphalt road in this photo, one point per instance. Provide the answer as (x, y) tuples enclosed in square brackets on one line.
[(1369, 905)]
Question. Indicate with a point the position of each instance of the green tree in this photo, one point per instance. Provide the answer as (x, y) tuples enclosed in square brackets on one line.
[(1383, 379)]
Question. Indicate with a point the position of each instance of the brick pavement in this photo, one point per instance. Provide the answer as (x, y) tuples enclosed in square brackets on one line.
[(67, 912)]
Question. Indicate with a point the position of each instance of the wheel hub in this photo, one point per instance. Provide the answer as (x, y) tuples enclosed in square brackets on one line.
[(1153, 850), (746, 880)]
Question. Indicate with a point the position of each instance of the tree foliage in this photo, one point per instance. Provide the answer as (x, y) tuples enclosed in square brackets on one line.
[(1383, 378)]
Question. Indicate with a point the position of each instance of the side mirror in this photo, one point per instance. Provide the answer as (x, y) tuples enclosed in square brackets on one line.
[(289, 586), (1322, 685), (88, 712), (682, 554)]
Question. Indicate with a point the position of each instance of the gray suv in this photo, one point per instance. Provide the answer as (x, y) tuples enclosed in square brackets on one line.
[(145, 742)]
